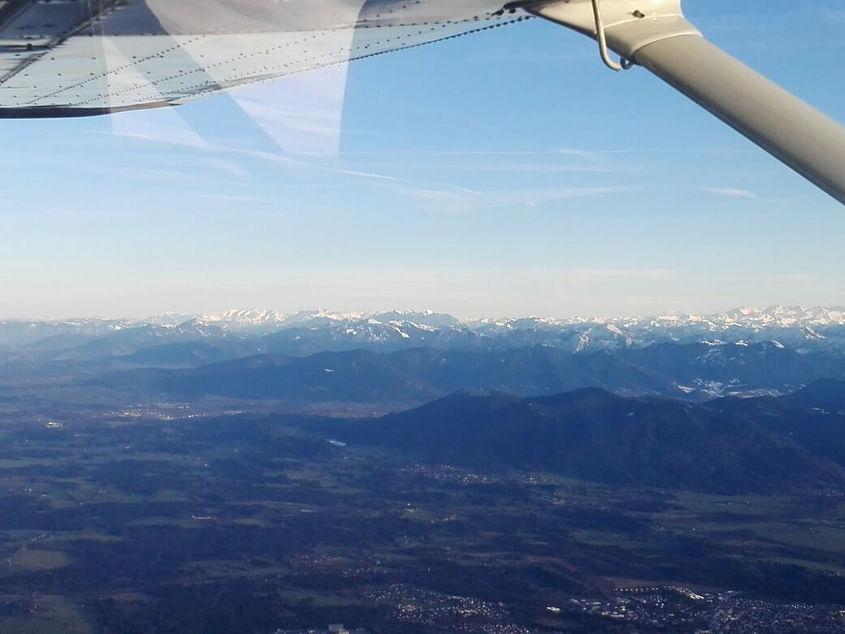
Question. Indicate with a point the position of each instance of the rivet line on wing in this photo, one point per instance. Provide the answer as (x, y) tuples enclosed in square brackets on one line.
[(271, 71)]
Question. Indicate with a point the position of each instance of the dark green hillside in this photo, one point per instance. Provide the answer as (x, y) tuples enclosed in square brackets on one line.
[(598, 436)]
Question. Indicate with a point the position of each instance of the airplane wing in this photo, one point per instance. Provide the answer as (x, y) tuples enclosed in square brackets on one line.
[(82, 57), (87, 57)]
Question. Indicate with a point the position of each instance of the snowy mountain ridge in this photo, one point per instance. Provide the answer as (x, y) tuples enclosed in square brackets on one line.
[(797, 327)]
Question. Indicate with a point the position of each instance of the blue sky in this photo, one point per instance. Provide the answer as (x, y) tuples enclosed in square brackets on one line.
[(504, 173)]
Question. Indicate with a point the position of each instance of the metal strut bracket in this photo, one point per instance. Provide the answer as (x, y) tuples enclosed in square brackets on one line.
[(602, 40), (577, 15)]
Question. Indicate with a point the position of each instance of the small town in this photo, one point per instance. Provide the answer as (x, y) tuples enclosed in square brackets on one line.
[(415, 605), (640, 610), (680, 609)]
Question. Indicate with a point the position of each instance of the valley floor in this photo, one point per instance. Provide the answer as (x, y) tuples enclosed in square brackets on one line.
[(222, 522)]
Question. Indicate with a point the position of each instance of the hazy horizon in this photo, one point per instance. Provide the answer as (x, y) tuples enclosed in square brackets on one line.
[(188, 314)]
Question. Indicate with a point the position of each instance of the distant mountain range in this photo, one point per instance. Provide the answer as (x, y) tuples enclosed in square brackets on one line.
[(405, 358), (628, 401), (689, 371), (316, 331), (725, 446)]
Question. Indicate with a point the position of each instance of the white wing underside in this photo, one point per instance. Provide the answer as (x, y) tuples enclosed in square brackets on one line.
[(72, 57)]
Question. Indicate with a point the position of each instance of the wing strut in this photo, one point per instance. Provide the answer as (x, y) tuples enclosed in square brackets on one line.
[(655, 35)]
